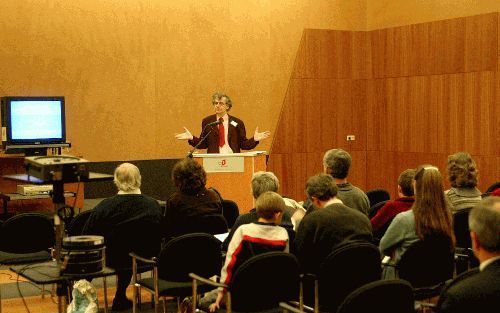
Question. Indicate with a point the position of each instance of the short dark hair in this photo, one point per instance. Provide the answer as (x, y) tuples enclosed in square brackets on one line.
[(321, 186), (405, 181), (268, 204), (189, 176), (337, 163), (484, 219), (462, 170)]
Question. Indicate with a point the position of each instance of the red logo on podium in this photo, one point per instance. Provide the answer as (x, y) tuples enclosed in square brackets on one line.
[(223, 163)]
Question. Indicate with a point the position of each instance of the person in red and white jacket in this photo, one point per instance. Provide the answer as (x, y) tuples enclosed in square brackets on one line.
[(255, 238)]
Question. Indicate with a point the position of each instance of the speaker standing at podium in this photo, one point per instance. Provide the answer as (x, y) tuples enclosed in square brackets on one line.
[(234, 137)]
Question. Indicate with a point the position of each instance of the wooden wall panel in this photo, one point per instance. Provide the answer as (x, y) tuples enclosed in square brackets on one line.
[(319, 113), (289, 134), (448, 46), (334, 54), (480, 42), (430, 90), (435, 114)]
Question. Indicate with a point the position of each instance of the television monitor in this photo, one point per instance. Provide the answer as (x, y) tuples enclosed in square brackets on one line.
[(33, 124)]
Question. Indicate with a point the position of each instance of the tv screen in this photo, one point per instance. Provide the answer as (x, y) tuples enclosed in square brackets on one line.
[(33, 121)]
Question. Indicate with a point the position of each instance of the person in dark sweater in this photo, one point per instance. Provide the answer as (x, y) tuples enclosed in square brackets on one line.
[(381, 221), (191, 201), (262, 182), (330, 224), (125, 208)]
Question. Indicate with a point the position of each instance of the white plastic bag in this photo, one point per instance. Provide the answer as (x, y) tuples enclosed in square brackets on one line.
[(84, 298)]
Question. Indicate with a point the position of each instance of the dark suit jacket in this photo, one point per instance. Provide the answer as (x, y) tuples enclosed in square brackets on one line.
[(236, 136), (473, 291)]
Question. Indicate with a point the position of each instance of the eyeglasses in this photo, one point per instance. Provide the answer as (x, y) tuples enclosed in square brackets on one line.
[(218, 103)]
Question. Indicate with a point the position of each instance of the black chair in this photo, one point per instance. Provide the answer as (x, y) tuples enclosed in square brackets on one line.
[(196, 252), (26, 238), (260, 283), (375, 208), (427, 265), (493, 187), (388, 296), (230, 211), (75, 227), (464, 257), (210, 224), (346, 268), (377, 195), (142, 237)]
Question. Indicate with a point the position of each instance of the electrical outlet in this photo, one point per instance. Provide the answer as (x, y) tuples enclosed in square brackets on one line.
[(351, 137)]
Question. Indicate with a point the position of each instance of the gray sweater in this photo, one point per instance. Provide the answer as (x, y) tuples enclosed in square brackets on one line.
[(399, 236), (353, 197)]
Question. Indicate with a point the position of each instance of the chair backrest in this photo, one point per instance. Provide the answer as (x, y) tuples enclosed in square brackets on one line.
[(75, 227), (377, 195), (198, 253), (388, 296), (427, 262), (140, 236), (493, 187), (461, 228), (264, 280), (230, 211), (27, 233), (210, 224), (374, 209), (346, 268)]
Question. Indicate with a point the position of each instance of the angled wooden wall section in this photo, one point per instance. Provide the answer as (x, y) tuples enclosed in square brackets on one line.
[(410, 95)]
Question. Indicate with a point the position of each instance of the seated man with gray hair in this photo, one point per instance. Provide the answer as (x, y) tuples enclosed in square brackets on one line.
[(125, 208), (478, 290), (337, 162), (263, 182)]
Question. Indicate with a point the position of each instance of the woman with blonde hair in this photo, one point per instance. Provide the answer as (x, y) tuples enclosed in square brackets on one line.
[(428, 219)]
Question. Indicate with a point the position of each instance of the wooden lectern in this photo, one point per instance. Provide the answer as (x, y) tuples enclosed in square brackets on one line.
[(231, 174)]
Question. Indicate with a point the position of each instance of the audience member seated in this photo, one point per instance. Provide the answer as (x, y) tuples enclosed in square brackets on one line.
[(128, 205), (479, 289), (381, 221), (263, 182), (430, 217), (330, 224), (191, 200), (462, 174), (337, 162), (252, 239)]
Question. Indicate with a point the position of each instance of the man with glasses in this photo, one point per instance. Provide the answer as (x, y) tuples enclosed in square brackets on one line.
[(225, 133)]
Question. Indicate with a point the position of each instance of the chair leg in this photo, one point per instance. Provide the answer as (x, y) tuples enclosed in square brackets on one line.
[(105, 290), (43, 291)]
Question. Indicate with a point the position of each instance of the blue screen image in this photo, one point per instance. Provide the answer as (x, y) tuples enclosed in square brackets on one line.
[(36, 119)]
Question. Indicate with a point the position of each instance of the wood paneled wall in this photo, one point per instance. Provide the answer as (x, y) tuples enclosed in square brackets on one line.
[(410, 95)]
